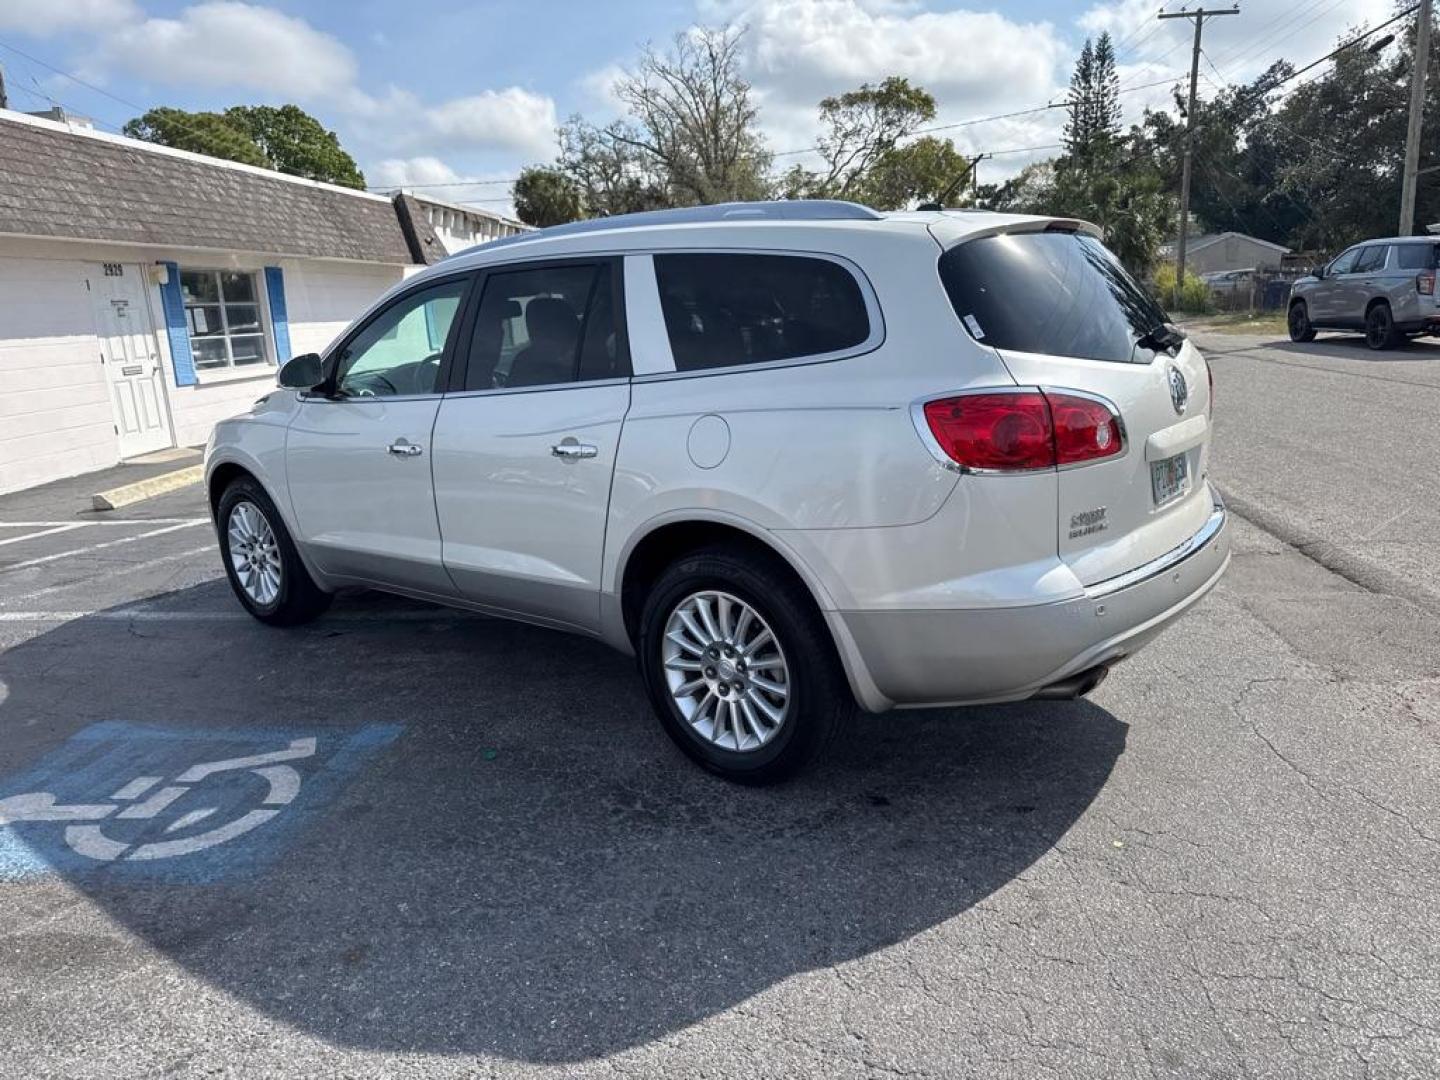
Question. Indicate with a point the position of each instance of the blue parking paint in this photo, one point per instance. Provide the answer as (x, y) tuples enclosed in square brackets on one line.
[(130, 802)]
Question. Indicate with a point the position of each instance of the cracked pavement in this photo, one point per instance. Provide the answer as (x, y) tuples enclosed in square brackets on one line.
[(1223, 864)]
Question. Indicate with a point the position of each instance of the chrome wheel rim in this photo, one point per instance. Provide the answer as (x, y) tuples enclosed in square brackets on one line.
[(726, 671), (254, 553)]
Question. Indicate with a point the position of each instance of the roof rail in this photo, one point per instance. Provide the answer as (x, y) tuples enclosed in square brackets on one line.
[(779, 210)]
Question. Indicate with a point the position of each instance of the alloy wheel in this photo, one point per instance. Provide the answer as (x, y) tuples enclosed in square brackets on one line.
[(726, 671), (254, 553)]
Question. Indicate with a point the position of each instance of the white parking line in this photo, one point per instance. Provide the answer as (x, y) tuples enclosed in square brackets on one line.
[(102, 521), (144, 615), (43, 532), (101, 547), (111, 572)]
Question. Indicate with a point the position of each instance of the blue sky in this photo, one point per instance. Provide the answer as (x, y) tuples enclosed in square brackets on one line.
[(434, 93)]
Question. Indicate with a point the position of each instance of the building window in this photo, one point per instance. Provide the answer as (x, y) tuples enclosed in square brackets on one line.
[(223, 316)]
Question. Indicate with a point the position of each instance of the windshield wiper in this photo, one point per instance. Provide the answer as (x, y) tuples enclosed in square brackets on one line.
[(1161, 338)]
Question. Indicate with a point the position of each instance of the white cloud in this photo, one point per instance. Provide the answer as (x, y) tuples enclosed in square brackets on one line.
[(225, 43), (512, 119), (802, 50), (973, 62), (44, 18)]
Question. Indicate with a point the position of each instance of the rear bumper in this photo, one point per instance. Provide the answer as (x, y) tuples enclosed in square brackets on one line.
[(911, 659)]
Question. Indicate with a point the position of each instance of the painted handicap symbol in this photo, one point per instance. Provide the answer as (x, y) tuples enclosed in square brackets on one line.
[(140, 802), (92, 842)]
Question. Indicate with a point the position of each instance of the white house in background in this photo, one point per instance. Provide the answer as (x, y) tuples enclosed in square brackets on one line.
[(147, 292), (1227, 251), (459, 227)]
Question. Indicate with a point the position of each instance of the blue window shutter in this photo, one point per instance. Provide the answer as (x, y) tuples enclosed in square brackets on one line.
[(279, 320), (173, 304)]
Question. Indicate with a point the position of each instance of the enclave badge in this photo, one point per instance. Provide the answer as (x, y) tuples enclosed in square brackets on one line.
[(1179, 390)]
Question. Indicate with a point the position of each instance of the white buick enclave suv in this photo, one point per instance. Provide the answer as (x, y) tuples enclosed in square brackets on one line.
[(790, 455)]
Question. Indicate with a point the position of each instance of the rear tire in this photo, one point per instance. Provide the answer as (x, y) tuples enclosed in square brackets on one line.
[(1380, 332), (1299, 323), (260, 559), (734, 734)]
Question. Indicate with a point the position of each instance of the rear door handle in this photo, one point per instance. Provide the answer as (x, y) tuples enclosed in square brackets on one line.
[(401, 448), (574, 451)]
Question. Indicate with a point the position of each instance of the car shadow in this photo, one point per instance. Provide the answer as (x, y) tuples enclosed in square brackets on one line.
[(1353, 347), (530, 869)]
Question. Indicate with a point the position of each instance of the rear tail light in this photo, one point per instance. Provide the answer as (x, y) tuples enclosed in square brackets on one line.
[(1210, 378), (1425, 283), (1028, 429), (1085, 429)]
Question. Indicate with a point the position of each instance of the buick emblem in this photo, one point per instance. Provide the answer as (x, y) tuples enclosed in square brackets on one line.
[(1179, 391)]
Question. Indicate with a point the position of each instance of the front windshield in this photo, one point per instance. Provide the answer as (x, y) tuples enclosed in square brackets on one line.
[(1059, 293)]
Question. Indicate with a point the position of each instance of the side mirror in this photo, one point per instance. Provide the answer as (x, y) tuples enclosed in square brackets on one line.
[(303, 372), (1320, 271)]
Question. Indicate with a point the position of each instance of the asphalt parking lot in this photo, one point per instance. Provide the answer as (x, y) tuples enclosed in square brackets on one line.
[(441, 845)]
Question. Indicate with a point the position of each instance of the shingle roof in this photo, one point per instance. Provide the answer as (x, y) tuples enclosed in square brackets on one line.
[(59, 183)]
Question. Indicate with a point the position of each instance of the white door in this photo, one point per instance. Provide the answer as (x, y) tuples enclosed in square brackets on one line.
[(358, 462), (524, 454), (131, 356)]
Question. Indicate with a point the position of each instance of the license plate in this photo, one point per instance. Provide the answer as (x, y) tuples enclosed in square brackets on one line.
[(1169, 479)]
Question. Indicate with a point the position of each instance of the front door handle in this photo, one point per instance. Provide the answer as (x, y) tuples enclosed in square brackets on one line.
[(570, 450), (401, 448)]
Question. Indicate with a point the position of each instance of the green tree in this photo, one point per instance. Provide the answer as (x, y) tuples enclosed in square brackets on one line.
[(924, 170), (612, 174), (546, 196), (199, 132), (862, 126), (295, 142), (286, 139)]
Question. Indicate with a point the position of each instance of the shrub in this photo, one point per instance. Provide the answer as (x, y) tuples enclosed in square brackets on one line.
[(1192, 296)]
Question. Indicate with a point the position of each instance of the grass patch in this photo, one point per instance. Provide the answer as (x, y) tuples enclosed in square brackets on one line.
[(1241, 322)]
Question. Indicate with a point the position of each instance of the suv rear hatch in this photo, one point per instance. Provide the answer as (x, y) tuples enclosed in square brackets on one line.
[(1063, 314)]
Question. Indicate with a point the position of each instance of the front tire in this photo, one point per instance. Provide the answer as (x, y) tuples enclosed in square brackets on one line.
[(739, 665), (1299, 323), (260, 559), (1380, 332)]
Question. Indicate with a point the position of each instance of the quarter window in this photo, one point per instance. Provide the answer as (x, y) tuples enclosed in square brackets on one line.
[(549, 325), (723, 309), (398, 352), (1417, 256), (223, 318)]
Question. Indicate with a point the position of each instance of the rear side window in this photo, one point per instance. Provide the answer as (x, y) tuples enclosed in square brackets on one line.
[(722, 310), (1418, 256), (1371, 258), (1062, 294), (549, 325)]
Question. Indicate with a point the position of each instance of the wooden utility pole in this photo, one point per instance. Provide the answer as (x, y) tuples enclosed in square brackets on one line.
[(1199, 15), (1418, 72)]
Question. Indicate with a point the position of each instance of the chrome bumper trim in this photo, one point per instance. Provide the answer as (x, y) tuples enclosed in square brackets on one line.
[(1172, 558)]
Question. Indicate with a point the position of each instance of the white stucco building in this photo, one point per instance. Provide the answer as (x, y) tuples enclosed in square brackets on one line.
[(147, 292)]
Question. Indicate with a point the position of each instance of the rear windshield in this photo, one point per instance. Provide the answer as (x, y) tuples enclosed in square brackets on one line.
[(1053, 292), (1418, 256)]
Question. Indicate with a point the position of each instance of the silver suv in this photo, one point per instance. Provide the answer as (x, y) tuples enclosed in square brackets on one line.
[(1384, 287), (792, 456)]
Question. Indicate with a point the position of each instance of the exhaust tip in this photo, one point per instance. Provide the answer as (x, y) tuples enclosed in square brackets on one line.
[(1076, 686)]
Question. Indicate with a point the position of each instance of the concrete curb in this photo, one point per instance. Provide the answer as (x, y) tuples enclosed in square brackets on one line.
[(141, 490)]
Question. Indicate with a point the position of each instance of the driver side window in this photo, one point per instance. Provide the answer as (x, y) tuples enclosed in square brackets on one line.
[(399, 351), (1345, 263)]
